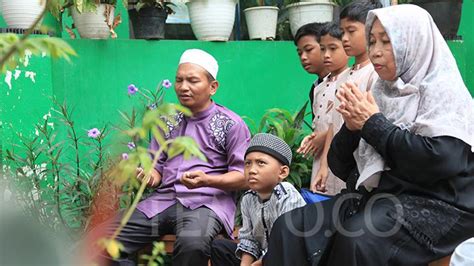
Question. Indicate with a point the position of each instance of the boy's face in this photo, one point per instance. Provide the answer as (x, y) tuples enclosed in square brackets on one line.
[(333, 55), (309, 53), (193, 88), (263, 172), (353, 38)]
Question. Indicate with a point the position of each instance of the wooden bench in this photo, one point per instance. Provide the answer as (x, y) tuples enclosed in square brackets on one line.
[(441, 262), (170, 239)]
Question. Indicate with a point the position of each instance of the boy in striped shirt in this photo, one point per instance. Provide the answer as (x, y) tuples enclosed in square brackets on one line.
[(267, 162)]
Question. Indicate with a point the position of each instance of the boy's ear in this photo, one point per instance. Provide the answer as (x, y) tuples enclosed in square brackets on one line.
[(284, 172)]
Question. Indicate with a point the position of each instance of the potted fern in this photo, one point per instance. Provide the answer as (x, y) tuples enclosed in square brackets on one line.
[(261, 17), (290, 127), (148, 18), (94, 19)]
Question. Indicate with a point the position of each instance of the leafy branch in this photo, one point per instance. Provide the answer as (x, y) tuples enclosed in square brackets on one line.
[(13, 48)]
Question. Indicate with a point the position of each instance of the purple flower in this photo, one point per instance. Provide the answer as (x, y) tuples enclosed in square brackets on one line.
[(131, 145), (132, 89), (124, 156), (93, 133), (167, 83), (152, 106)]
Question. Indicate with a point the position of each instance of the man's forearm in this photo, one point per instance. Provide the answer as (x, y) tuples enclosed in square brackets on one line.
[(234, 180)]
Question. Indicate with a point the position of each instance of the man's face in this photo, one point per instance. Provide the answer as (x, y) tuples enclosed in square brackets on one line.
[(193, 88)]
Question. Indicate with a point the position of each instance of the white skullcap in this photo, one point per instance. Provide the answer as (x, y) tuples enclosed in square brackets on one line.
[(202, 59)]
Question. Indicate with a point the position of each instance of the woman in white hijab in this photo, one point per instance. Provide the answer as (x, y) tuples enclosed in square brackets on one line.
[(405, 152)]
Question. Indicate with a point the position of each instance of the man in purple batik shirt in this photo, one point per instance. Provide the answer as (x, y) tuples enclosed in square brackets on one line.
[(193, 199)]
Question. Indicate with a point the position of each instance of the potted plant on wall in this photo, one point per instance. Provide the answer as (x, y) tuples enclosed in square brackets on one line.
[(261, 17), (148, 18), (304, 12), (446, 14), (21, 14), (94, 19), (212, 20)]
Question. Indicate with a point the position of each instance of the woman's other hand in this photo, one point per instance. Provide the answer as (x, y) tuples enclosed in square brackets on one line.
[(356, 107)]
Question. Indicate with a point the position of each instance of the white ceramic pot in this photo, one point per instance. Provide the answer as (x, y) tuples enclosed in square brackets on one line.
[(262, 22), (307, 12), (212, 20), (92, 24), (21, 14)]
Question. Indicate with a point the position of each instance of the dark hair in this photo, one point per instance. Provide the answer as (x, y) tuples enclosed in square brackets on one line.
[(310, 29), (332, 29), (358, 10)]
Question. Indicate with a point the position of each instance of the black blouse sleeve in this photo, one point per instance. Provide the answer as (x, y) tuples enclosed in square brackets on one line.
[(413, 157), (340, 157)]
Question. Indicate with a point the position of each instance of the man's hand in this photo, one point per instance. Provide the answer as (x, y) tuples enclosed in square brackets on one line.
[(195, 179), (155, 177), (257, 263)]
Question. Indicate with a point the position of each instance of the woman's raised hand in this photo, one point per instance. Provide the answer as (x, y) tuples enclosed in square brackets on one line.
[(356, 107)]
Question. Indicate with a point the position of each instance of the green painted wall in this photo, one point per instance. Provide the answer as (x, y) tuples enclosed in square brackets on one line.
[(467, 32), (254, 76), (26, 101)]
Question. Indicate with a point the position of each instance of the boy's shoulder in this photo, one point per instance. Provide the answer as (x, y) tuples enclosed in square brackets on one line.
[(249, 197), (281, 190), (286, 188), (344, 75), (322, 81)]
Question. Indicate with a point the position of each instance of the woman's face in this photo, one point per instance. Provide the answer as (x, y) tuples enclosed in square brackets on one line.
[(381, 52)]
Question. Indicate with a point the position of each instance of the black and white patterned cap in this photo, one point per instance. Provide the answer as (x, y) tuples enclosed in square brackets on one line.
[(271, 145)]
